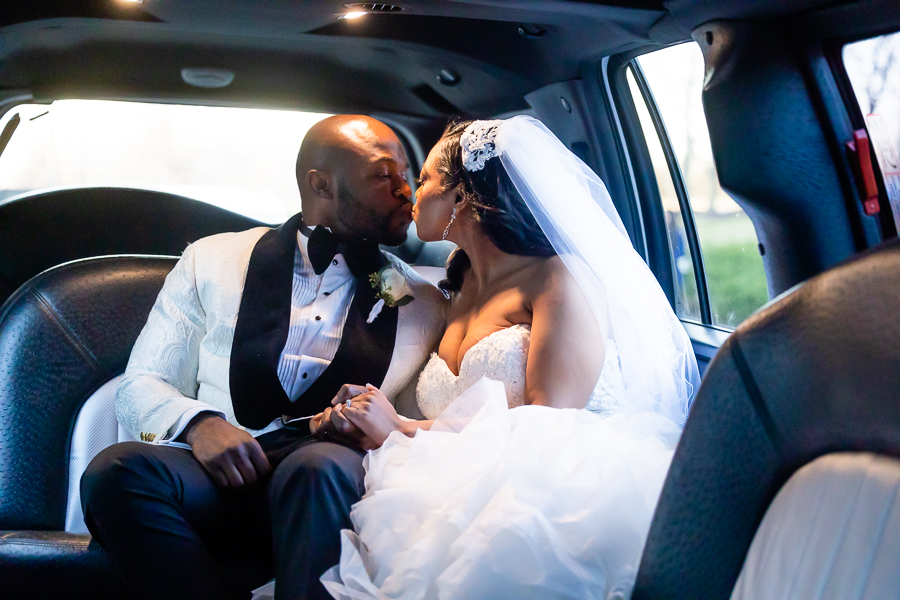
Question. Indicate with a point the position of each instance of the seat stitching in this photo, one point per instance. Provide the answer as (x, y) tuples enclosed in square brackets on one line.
[(73, 339), (756, 397)]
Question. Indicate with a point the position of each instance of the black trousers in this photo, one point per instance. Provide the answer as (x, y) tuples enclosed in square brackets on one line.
[(171, 532)]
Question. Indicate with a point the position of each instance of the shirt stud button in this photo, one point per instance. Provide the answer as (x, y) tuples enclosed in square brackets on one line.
[(334, 262), (304, 375), (318, 318), (327, 293)]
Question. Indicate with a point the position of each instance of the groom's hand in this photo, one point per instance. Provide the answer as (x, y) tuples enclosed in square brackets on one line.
[(334, 420), (231, 456), (331, 425), (348, 391)]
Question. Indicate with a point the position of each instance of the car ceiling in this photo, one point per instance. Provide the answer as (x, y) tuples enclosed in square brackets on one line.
[(297, 54)]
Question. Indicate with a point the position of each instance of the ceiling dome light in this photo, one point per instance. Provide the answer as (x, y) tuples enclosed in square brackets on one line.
[(207, 78), (355, 14), (447, 77)]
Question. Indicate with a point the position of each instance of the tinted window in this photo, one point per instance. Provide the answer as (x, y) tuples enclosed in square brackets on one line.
[(687, 301), (873, 67), (237, 158), (733, 267)]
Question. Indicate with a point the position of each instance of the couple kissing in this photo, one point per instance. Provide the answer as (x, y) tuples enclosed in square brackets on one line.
[(264, 387)]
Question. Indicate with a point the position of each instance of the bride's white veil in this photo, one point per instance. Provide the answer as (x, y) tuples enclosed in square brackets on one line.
[(574, 209)]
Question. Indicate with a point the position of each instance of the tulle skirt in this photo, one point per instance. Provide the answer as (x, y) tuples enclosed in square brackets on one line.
[(492, 502)]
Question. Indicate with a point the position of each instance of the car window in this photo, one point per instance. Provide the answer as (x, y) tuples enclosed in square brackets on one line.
[(240, 159), (687, 301), (873, 67), (732, 268)]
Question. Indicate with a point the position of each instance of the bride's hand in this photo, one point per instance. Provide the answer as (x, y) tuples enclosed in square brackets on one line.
[(372, 412), (331, 425)]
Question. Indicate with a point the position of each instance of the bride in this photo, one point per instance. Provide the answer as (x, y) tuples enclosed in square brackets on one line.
[(554, 401)]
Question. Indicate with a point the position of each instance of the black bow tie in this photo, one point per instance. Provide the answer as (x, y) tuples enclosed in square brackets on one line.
[(363, 257)]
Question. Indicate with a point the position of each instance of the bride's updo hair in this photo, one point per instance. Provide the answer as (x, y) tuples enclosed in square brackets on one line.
[(496, 204)]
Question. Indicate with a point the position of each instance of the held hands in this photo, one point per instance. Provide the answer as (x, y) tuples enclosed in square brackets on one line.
[(231, 456), (369, 410), (332, 424), (331, 421)]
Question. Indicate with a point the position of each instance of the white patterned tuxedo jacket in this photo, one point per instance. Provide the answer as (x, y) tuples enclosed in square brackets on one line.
[(215, 333)]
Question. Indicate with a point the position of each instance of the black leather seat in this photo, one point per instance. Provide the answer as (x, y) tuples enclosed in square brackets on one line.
[(814, 373), (85, 222), (62, 335), (45, 229)]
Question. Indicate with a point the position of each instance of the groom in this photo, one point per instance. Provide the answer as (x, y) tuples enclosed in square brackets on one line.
[(251, 332)]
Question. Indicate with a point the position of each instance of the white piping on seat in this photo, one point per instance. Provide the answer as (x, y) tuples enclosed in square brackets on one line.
[(95, 428)]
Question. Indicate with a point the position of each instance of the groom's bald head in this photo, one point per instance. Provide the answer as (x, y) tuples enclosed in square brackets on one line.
[(336, 139), (351, 172)]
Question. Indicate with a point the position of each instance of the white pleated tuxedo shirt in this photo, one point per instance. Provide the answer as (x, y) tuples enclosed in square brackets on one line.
[(319, 308)]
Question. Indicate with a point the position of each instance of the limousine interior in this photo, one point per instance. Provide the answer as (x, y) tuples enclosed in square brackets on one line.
[(750, 148)]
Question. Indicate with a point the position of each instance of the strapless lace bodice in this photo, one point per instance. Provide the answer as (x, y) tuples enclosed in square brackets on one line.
[(502, 356)]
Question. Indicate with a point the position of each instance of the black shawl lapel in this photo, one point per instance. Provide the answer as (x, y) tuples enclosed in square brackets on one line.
[(363, 356), (262, 328)]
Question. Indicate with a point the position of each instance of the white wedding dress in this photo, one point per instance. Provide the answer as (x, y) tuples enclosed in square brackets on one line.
[(500, 500)]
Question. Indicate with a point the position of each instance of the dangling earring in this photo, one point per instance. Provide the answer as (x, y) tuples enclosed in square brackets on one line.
[(447, 229)]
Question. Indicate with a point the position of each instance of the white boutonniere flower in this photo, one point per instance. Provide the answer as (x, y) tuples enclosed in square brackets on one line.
[(393, 290)]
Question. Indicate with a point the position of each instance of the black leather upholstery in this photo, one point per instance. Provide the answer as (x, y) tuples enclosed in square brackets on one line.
[(43, 230), (816, 372), (62, 335), (53, 564)]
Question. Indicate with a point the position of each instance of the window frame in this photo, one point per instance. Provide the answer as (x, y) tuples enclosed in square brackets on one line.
[(638, 168), (833, 53), (681, 192), (646, 188)]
